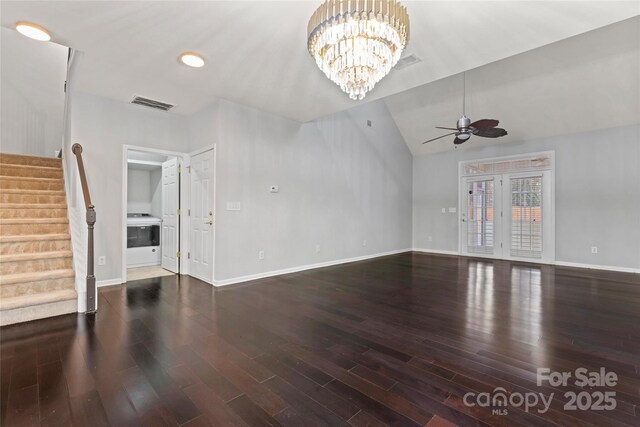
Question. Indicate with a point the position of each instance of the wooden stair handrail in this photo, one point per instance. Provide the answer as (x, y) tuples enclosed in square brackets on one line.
[(91, 220)]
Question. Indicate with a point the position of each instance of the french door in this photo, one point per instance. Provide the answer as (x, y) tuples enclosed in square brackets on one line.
[(508, 216)]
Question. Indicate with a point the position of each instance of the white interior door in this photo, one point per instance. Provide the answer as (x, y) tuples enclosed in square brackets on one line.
[(170, 219), (202, 217)]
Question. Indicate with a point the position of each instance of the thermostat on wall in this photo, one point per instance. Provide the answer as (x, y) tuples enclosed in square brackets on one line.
[(274, 189)]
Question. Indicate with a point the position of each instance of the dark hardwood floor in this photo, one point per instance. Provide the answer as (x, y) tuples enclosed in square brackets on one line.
[(399, 340)]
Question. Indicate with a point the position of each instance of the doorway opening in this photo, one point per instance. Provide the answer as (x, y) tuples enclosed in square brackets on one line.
[(507, 208), (152, 196)]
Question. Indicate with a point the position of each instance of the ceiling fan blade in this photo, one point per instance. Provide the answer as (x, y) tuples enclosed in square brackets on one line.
[(440, 137), (440, 127), (491, 133), (484, 124), (459, 141)]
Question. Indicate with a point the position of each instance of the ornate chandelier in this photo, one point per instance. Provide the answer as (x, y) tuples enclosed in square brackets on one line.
[(357, 42)]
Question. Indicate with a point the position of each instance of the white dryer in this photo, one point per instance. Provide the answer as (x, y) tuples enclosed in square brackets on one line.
[(143, 240)]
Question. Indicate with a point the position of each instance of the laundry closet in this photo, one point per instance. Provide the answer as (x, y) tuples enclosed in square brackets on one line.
[(148, 198)]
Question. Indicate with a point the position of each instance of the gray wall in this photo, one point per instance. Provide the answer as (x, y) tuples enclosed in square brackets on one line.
[(144, 190), (597, 194), (138, 190), (340, 182), (156, 192), (31, 95), (103, 126)]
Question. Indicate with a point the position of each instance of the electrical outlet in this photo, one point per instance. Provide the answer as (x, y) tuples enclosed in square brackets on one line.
[(317, 248), (364, 243), (261, 255), (102, 260), (594, 249)]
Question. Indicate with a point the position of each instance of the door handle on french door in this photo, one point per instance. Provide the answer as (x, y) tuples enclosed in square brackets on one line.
[(209, 222)]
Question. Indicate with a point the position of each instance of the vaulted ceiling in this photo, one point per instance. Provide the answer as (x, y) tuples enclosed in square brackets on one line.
[(590, 81), (256, 53)]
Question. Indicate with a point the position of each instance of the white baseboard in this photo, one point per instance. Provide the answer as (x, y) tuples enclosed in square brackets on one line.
[(435, 251), (225, 282), (198, 277), (108, 282), (598, 267), (250, 277), (559, 263), (82, 302)]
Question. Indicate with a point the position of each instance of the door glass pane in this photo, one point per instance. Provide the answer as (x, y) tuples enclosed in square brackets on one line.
[(480, 216), (526, 217)]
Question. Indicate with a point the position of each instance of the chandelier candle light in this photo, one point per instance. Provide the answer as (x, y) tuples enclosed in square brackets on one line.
[(357, 42)]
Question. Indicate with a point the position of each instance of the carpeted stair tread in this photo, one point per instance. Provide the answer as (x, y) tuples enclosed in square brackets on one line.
[(34, 237), (32, 167), (28, 256), (33, 205), (28, 178), (21, 159), (28, 300), (23, 171), (9, 279), (33, 191), (6, 221)]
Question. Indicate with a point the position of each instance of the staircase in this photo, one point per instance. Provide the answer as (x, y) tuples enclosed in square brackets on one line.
[(36, 270)]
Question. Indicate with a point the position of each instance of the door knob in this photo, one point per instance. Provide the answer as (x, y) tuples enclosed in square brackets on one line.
[(209, 222)]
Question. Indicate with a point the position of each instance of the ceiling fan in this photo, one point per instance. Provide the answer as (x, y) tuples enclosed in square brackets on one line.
[(465, 128)]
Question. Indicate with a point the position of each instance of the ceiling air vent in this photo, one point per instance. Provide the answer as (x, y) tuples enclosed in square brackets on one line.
[(151, 103), (407, 61)]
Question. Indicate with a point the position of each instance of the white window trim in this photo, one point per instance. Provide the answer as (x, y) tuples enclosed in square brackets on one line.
[(551, 259)]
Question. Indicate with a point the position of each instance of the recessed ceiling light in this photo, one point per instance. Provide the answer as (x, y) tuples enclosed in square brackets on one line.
[(192, 59), (33, 31)]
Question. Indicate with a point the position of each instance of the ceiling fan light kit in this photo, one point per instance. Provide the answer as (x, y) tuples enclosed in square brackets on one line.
[(357, 42)]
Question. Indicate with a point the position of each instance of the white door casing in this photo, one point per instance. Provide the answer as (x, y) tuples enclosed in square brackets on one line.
[(170, 219), (508, 216), (202, 216)]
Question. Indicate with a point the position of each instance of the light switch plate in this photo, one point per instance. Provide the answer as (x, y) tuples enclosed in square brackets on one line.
[(452, 210), (233, 206)]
